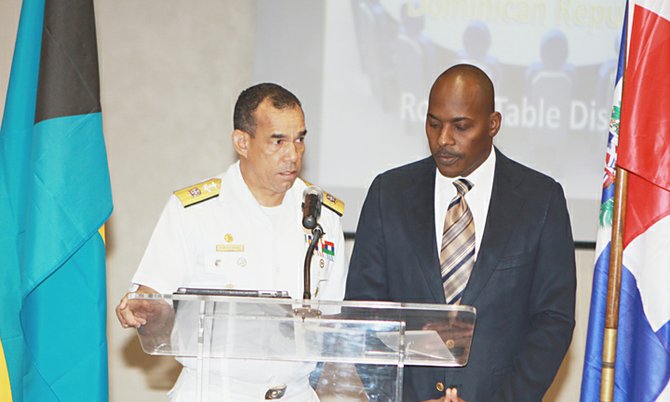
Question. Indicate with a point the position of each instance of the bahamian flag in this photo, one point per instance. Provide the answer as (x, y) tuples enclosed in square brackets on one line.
[(642, 368), (55, 195)]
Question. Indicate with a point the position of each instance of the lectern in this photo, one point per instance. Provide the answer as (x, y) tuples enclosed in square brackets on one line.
[(357, 349)]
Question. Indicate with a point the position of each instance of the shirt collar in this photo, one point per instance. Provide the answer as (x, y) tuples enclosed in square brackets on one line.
[(481, 176)]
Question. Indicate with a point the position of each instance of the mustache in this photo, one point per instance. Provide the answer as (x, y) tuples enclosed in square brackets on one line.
[(289, 168), (445, 153)]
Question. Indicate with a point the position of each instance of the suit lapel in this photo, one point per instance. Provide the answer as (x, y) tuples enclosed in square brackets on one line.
[(505, 204), (419, 199)]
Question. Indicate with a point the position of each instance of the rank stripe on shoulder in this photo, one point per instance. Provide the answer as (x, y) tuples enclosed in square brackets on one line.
[(335, 204), (330, 201), (199, 192)]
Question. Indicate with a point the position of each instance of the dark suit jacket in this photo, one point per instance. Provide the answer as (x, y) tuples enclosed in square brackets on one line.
[(522, 285)]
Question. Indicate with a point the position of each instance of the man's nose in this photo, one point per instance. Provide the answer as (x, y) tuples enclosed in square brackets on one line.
[(446, 136), (291, 151)]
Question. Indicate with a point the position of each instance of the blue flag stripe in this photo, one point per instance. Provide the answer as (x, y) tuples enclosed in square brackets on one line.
[(15, 144), (83, 205), (642, 367)]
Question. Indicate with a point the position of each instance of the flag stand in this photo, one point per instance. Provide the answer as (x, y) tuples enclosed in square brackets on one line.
[(613, 287)]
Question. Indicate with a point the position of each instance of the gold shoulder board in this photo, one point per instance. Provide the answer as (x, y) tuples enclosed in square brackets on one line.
[(333, 203), (199, 192), (330, 201)]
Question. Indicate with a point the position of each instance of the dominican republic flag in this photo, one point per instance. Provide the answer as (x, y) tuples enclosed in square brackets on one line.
[(642, 369), (55, 196)]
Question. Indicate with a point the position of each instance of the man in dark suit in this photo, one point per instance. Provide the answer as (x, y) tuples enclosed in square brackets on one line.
[(522, 281)]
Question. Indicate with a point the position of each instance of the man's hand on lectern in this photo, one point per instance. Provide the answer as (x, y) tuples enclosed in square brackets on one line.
[(134, 313), (450, 395)]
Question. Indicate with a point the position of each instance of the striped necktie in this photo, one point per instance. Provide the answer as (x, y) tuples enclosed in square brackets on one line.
[(457, 255)]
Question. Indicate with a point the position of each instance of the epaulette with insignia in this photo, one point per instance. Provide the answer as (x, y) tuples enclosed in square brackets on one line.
[(334, 204), (199, 192)]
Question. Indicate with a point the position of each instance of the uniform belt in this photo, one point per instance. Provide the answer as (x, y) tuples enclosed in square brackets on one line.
[(275, 392)]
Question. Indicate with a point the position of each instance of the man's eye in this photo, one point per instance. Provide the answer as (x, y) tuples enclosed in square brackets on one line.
[(300, 140), (460, 127)]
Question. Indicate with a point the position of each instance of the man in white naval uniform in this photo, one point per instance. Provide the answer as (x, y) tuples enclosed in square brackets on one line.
[(243, 230)]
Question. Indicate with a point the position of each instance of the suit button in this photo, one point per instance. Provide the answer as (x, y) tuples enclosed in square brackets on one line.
[(439, 386)]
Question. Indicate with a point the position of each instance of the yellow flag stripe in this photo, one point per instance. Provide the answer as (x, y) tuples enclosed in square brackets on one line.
[(5, 389), (102, 233)]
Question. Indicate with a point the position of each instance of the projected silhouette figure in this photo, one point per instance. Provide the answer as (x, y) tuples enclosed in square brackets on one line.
[(549, 86), (476, 46)]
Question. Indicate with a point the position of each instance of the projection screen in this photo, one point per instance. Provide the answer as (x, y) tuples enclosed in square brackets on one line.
[(363, 69)]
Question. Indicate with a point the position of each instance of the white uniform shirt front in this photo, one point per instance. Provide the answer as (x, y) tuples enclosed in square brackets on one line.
[(231, 242)]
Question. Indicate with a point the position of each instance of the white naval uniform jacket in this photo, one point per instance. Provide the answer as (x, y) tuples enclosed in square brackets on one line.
[(254, 252)]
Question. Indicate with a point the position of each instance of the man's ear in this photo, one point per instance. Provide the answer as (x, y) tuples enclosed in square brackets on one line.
[(241, 142), (495, 123)]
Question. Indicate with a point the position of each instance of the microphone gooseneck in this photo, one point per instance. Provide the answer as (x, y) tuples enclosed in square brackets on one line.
[(317, 232), (311, 211)]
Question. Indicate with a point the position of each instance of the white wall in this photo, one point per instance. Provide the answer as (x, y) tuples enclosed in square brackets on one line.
[(170, 72)]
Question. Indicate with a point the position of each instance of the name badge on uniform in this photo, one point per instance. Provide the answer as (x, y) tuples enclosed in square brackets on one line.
[(228, 246)]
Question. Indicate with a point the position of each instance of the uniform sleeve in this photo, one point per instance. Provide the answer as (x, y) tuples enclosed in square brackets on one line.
[(333, 288), (166, 264)]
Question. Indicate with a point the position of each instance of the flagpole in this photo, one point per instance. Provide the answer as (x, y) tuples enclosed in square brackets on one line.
[(613, 287)]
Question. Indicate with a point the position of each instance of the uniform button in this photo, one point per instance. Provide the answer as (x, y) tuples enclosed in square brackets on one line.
[(275, 392), (439, 386), (449, 343)]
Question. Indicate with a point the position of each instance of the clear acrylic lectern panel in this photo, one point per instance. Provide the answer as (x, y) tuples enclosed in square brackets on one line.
[(379, 338)]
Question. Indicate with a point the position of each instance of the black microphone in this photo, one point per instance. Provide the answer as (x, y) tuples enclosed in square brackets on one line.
[(311, 206), (311, 210)]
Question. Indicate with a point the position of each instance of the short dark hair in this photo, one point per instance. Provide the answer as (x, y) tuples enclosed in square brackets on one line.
[(250, 98)]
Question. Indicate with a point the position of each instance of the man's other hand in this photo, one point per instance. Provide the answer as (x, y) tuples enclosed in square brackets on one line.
[(450, 395), (134, 313)]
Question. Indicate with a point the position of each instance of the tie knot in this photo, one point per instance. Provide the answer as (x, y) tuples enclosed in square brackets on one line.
[(463, 186)]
